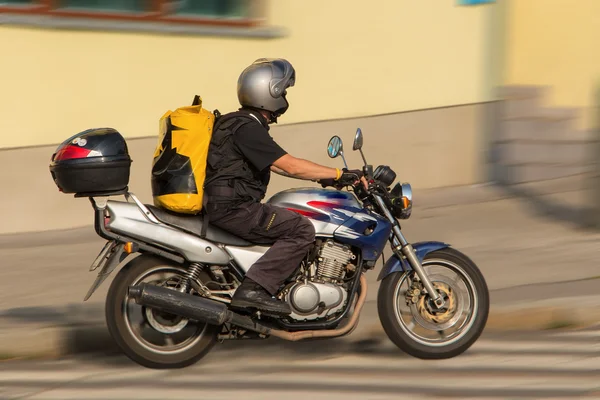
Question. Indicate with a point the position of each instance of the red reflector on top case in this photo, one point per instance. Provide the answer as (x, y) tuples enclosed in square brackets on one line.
[(71, 152)]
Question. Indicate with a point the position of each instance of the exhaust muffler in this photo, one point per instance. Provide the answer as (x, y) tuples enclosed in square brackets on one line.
[(191, 307), (214, 313)]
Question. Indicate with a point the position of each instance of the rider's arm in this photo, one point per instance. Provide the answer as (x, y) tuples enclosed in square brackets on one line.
[(260, 149), (281, 172), (302, 169)]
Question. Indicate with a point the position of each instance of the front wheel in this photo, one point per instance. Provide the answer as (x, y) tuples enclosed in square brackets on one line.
[(413, 322)]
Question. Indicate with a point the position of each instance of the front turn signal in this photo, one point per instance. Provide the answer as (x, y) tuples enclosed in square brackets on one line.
[(405, 202)]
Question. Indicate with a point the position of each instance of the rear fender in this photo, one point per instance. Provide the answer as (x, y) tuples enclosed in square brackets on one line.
[(394, 264), (109, 258)]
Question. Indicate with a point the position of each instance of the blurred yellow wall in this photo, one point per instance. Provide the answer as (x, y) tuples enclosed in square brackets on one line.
[(556, 43), (353, 58)]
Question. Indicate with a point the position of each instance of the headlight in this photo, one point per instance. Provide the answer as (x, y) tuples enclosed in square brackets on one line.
[(407, 191), (402, 199)]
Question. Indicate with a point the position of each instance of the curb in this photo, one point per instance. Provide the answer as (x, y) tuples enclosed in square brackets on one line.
[(544, 318), (34, 341)]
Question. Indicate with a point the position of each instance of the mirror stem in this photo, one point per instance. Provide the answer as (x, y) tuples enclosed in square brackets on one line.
[(363, 156), (343, 158)]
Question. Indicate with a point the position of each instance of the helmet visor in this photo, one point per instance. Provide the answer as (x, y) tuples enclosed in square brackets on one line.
[(284, 76)]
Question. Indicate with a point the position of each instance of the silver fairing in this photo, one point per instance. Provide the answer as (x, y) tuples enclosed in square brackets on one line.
[(327, 209), (244, 257), (127, 219)]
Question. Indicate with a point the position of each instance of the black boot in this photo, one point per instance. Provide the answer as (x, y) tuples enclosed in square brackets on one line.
[(251, 295)]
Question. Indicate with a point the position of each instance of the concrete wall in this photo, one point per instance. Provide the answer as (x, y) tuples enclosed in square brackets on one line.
[(542, 156), (546, 122), (428, 148), (353, 59), (535, 142), (555, 43)]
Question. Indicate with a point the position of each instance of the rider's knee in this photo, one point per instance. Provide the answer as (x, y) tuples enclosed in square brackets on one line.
[(306, 231)]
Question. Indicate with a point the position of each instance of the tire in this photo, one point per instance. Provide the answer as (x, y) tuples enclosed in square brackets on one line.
[(388, 303), (123, 334)]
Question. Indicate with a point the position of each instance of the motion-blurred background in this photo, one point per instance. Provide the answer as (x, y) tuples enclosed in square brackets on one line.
[(490, 109), (450, 92)]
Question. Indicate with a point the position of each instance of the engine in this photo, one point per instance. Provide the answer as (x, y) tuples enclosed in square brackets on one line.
[(319, 290)]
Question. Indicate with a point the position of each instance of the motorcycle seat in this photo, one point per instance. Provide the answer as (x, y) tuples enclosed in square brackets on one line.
[(193, 224)]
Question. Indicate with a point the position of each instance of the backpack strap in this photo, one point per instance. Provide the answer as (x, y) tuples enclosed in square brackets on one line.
[(204, 218), (242, 118)]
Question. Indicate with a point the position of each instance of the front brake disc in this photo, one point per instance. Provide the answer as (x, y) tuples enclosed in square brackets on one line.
[(427, 315)]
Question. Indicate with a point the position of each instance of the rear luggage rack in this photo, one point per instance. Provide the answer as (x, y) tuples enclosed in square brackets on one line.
[(123, 192)]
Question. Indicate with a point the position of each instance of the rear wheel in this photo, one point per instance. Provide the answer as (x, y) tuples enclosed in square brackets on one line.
[(413, 322), (150, 337)]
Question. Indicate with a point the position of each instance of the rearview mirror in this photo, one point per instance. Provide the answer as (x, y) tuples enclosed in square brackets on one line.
[(358, 140), (335, 147)]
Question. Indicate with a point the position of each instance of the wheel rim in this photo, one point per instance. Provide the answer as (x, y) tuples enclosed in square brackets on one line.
[(159, 332), (421, 321)]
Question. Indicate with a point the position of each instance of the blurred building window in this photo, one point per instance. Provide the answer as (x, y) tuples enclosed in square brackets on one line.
[(106, 5), (215, 8), (473, 2), (243, 13), (5, 2)]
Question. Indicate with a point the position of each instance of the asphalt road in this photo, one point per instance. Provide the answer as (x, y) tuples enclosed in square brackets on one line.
[(548, 365)]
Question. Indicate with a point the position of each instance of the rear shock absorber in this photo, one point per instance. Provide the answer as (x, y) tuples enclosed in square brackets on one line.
[(193, 273)]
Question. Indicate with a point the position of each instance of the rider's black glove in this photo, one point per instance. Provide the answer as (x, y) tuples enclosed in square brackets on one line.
[(327, 182), (349, 177)]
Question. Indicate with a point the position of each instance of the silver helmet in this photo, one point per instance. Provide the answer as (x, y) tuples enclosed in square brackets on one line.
[(263, 85)]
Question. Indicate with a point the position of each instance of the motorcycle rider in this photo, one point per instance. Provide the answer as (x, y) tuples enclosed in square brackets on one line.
[(241, 156)]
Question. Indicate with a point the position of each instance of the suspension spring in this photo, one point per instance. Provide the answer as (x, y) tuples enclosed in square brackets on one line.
[(193, 273)]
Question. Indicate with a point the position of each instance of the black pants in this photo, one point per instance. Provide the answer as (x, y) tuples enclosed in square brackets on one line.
[(289, 233)]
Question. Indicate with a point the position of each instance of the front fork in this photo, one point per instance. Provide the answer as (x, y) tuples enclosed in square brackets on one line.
[(401, 245)]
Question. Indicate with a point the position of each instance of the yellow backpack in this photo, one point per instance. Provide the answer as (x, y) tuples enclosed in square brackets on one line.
[(179, 165)]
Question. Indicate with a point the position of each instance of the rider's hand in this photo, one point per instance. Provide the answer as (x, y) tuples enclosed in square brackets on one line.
[(327, 182), (365, 183), (350, 177)]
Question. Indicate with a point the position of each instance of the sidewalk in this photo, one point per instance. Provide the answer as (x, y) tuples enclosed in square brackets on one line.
[(541, 273)]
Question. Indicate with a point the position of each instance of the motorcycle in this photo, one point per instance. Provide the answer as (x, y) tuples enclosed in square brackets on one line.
[(169, 303)]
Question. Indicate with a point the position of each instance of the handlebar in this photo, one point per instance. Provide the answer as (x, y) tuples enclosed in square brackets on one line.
[(375, 196)]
